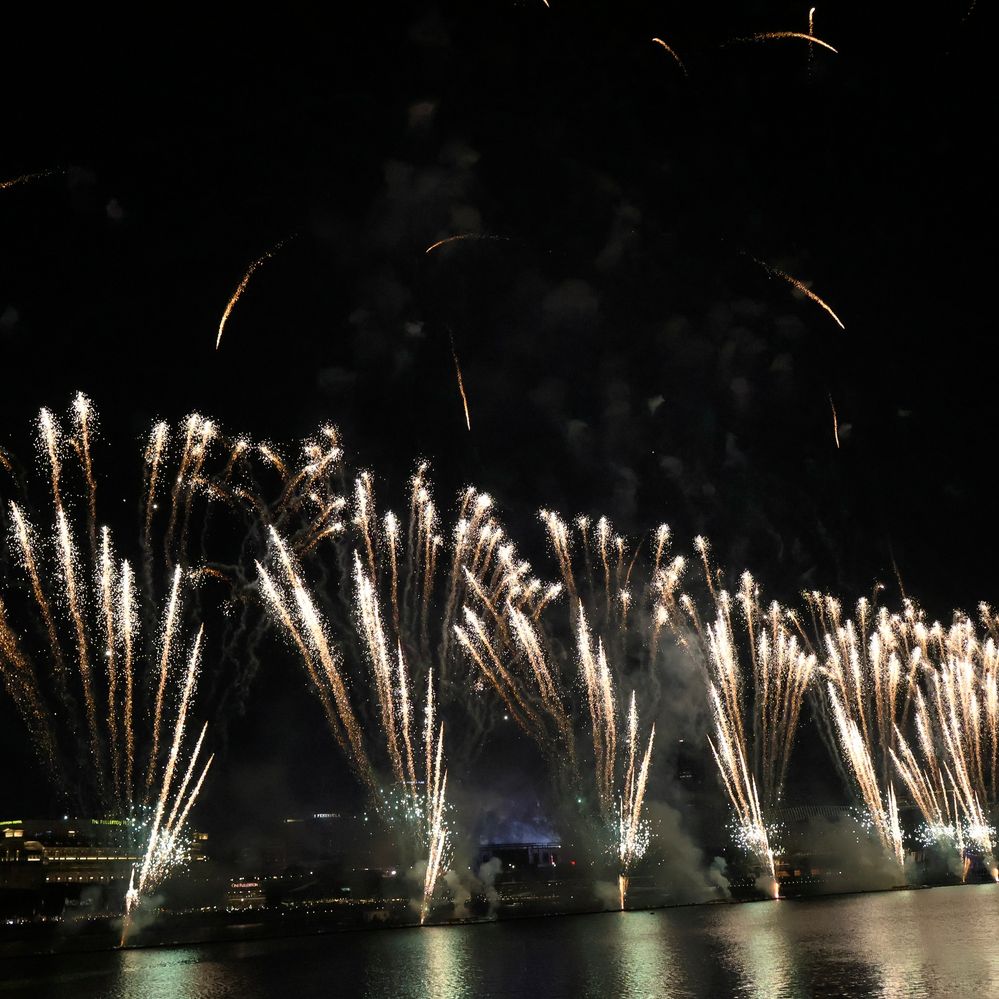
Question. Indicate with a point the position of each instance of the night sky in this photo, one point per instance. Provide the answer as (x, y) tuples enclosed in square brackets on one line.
[(621, 350)]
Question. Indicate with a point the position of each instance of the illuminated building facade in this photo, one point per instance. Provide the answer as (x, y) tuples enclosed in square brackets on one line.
[(45, 862)]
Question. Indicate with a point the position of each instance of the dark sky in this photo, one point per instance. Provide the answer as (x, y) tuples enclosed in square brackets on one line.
[(621, 350)]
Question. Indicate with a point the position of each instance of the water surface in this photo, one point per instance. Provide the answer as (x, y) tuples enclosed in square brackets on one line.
[(939, 942)]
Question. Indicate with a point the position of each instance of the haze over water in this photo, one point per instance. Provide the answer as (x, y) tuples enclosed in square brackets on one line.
[(931, 943)]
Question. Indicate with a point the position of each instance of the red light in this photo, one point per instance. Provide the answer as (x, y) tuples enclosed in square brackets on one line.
[(573, 862)]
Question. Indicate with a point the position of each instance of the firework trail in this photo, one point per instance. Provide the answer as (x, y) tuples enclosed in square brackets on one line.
[(463, 236), (804, 289), (768, 36), (835, 419), (676, 58), (871, 681), (87, 602), (461, 386), (811, 34), (27, 178), (873, 661), (241, 287)]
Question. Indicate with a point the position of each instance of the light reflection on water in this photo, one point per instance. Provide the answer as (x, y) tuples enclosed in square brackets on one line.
[(919, 945)]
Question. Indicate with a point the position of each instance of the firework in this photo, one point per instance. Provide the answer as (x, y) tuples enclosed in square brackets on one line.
[(770, 36), (871, 664), (461, 386), (757, 674), (521, 659), (882, 807), (27, 178), (76, 689), (835, 420), (811, 33), (957, 726), (803, 288), (633, 837), (294, 608), (241, 287), (670, 52), (461, 237)]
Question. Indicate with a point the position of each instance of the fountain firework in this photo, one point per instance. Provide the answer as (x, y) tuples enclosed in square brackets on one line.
[(756, 668), (423, 812), (79, 685), (871, 664), (520, 654), (957, 729)]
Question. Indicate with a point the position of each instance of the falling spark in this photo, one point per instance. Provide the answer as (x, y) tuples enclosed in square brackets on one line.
[(241, 287), (461, 385), (806, 291), (832, 406), (767, 36), (676, 58)]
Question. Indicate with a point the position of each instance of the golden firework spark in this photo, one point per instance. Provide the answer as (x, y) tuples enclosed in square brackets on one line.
[(803, 288), (241, 287), (835, 418), (676, 58)]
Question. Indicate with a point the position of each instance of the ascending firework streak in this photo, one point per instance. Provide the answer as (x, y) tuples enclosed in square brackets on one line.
[(241, 287), (461, 385), (832, 406), (92, 648), (803, 288), (294, 608)]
